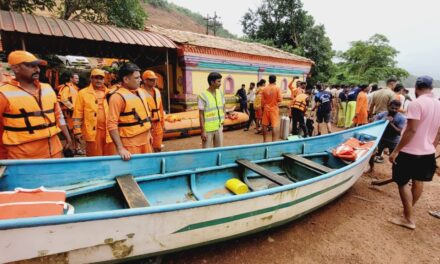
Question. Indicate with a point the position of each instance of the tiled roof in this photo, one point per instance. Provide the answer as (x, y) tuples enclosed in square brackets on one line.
[(196, 39)]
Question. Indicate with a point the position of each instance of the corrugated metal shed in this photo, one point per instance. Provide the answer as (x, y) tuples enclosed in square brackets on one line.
[(47, 26)]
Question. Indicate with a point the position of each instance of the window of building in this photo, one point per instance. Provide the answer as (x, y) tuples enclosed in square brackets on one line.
[(284, 85), (228, 85)]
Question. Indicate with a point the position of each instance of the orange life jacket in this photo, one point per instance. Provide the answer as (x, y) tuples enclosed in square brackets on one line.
[(27, 119), (136, 116), (32, 202), (352, 149), (69, 98), (154, 103), (300, 102)]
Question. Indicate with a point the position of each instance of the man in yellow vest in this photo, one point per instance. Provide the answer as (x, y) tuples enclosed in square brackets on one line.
[(154, 100), (211, 104), (29, 112), (67, 97), (299, 107), (129, 121), (90, 117)]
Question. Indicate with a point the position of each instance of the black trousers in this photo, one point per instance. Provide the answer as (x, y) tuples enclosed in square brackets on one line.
[(251, 115), (243, 107), (298, 117)]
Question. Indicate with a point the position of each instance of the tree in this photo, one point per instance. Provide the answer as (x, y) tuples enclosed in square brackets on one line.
[(89, 10), (289, 27), (127, 13), (27, 5), (122, 13), (368, 61), (316, 46), (280, 20)]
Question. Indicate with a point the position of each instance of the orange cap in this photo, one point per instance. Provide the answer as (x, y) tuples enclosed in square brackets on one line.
[(22, 56), (97, 72), (149, 75)]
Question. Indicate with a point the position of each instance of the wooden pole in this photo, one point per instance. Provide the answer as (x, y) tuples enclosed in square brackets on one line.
[(23, 44), (168, 85)]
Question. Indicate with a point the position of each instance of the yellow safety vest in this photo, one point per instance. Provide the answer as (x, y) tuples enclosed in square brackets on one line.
[(257, 101), (213, 111), (154, 102), (300, 102), (28, 119), (135, 119)]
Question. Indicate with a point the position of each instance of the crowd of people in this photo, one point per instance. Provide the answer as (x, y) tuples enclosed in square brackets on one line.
[(341, 106), (128, 118), (411, 136)]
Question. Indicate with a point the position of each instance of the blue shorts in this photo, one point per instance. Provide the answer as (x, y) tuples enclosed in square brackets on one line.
[(323, 117)]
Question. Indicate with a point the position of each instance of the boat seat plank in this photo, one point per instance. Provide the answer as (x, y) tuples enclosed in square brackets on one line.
[(263, 172), (2, 171), (133, 194), (308, 163)]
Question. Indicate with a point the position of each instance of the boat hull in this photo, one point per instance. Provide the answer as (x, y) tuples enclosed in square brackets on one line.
[(189, 203), (157, 233)]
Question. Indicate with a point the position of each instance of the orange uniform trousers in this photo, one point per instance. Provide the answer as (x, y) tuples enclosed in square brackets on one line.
[(139, 144), (270, 118), (157, 134), (100, 147), (140, 149), (45, 148)]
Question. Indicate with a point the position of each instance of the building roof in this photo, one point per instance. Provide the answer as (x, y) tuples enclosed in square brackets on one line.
[(252, 48), (32, 24)]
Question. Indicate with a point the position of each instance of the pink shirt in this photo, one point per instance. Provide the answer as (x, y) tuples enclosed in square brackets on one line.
[(426, 109)]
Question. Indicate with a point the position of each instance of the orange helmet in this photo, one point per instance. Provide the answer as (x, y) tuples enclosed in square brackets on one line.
[(149, 75)]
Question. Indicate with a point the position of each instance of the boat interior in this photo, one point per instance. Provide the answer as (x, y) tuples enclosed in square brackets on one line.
[(204, 183), (188, 177)]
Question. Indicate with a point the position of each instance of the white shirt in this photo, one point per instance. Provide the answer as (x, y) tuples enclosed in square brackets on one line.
[(251, 96)]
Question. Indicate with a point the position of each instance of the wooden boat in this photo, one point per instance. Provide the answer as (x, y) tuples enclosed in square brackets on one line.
[(187, 124), (178, 199)]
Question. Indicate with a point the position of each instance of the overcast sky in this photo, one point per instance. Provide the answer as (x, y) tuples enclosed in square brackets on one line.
[(411, 26)]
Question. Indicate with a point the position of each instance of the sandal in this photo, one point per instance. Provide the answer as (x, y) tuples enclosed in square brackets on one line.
[(436, 214), (79, 152)]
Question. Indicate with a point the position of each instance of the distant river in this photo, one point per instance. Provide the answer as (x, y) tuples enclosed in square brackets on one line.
[(412, 94)]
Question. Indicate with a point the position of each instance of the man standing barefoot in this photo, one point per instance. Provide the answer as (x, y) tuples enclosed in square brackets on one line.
[(414, 157), (270, 99)]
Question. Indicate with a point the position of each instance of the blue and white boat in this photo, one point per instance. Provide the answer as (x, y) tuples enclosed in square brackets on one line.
[(175, 200)]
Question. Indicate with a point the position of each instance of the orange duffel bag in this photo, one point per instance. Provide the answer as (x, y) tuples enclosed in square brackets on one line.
[(23, 203)]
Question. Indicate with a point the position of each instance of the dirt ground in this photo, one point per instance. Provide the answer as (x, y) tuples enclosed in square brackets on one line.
[(353, 229)]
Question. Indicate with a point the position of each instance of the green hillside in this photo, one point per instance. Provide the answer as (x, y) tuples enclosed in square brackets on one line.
[(196, 17)]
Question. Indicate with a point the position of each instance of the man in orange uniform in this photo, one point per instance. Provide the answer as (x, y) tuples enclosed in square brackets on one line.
[(90, 117), (154, 100), (295, 90), (296, 87), (299, 108), (361, 116), (29, 112), (3, 80), (67, 97), (129, 121), (270, 99)]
